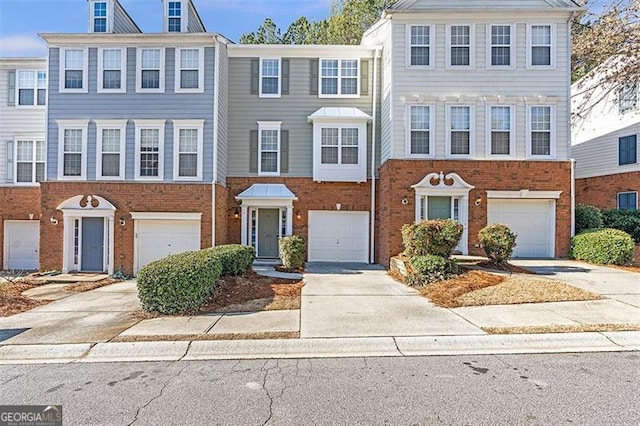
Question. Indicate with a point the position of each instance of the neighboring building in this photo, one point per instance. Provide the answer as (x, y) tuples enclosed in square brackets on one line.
[(23, 102), (606, 142)]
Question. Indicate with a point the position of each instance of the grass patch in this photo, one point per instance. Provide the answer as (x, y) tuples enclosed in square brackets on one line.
[(213, 336), (578, 328), (13, 302), (446, 293)]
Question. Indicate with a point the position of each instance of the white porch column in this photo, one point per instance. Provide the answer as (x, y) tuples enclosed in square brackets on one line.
[(289, 220), (243, 224), (110, 258), (67, 238), (464, 219)]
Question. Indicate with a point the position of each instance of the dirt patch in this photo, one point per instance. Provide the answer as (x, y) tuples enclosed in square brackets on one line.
[(630, 268), (281, 268), (503, 268), (13, 302), (81, 286), (446, 293), (143, 315), (252, 292), (578, 328), (192, 337)]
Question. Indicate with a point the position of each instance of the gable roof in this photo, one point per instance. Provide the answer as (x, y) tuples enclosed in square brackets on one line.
[(484, 4)]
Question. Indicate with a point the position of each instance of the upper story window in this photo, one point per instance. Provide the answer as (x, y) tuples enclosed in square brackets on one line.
[(188, 145), (30, 158), (269, 148), (540, 49), (460, 130), (149, 158), (339, 145), (174, 17), (627, 150), (74, 66), (110, 147), (72, 144), (628, 97), (420, 46), (627, 200), (541, 131), (32, 88), (270, 77), (420, 133), (150, 70), (339, 77), (190, 70), (460, 40), (500, 46), (99, 17), (112, 70), (500, 130)]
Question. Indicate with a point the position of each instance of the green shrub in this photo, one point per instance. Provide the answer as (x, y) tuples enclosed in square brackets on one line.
[(430, 269), (236, 259), (436, 237), (498, 242), (179, 283), (588, 217), (292, 251), (624, 220), (603, 247)]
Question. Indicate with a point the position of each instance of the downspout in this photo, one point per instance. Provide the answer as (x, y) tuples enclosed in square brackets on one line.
[(569, 146), (216, 102), (573, 197), (374, 110)]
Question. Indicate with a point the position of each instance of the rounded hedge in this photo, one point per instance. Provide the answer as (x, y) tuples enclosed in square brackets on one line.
[(430, 269), (624, 220), (291, 251), (588, 217), (236, 259), (498, 242), (603, 247), (431, 237)]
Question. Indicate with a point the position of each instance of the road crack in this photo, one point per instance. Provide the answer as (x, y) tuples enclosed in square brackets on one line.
[(164, 386)]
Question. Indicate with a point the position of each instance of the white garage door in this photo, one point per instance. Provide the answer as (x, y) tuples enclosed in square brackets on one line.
[(156, 239), (532, 220), (336, 236), (21, 244)]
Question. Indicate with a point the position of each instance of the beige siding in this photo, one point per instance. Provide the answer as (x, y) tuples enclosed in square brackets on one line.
[(223, 113), (599, 156)]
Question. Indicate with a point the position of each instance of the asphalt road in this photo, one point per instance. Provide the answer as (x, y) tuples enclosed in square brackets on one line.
[(598, 389)]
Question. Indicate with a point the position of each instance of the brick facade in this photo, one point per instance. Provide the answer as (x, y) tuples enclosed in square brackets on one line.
[(17, 203), (397, 177), (602, 191), (223, 217), (127, 197)]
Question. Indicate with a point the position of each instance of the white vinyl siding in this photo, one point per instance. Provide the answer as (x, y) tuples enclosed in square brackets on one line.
[(112, 70), (187, 149), (269, 148), (74, 64), (150, 71), (149, 156), (110, 149), (270, 80), (31, 88), (72, 161), (189, 76), (339, 78)]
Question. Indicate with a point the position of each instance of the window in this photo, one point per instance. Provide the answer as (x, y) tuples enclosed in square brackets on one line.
[(174, 16), (72, 145), (541, 45), (32, 88), (74, 70), (110, 142), (112, 70), (459, 133), (339, 77), (339, 148), (190, 74), (500, 47), (149, 149), (150, 70), (270, 78), (420, 135), (628, 97), (99, 17), (420, 46), (628, 150), (460, 40), (500, 128), (30, 158), (339, 145), (269, 148), (627, 201), (540, 141), (188, 144)]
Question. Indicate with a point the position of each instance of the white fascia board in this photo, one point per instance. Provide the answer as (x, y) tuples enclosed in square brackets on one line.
[(301, 51), (164, 39), (165, 216), (525, 193)]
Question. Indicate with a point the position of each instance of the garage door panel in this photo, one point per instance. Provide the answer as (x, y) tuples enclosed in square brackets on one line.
[(160, 238), (338, 236), (22, 241)]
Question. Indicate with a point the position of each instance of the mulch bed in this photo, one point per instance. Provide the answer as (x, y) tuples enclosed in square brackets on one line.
[(445, 293), (81, 287), (13, 302), (281, 268), (505, 268)]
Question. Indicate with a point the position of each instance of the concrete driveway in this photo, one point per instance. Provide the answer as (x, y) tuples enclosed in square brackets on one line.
[(360, 300)]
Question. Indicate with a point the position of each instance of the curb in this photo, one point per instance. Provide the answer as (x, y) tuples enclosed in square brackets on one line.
[(621, 341)]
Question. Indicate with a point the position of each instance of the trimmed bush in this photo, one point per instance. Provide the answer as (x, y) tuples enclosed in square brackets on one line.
[(292, 251), (430, 269), (498, 242), (179, 283), (236, 259), (435, 237), (588, 217), (624, 220), (603, 247)]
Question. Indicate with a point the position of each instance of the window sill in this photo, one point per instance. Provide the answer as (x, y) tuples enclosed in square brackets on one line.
[(339, 96)]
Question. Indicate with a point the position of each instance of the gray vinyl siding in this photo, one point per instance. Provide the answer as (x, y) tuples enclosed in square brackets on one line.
[(122, 23), (599, 156), (223, 113), (131, 106), (245, 110), (194, 25)]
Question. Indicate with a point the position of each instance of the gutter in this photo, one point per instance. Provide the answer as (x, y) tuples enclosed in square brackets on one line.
[(374, 113)]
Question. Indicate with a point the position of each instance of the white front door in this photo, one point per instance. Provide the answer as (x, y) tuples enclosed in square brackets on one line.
[(156, 239), (21, 244), (337, 236)]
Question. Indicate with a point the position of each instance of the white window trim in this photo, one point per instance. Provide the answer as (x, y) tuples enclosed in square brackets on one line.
[(110, 124), (187, 124), (184, 25), (109, 16), (553, 46), (432, 121), (512, 131), (339, 95), (472, 131), (472, 47), (432, 50), (35, 138), (201, 68), (85, 71), (269, 125), (512, 49), (123, 70), (35, 94), (163, 65), (552, 147), (150, 124), (69, 125), (270, 95), (340, 172), (625, 192)]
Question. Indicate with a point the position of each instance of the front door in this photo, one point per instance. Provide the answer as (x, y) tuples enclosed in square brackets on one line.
[(268, 223), (92, 244)]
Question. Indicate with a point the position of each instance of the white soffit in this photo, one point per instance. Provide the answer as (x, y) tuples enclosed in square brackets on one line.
[(274, 191)]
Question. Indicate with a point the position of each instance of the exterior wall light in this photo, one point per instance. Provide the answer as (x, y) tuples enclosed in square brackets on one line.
[(122, 221), (236, 213), (478, 201), (53, 220), (405, 200)]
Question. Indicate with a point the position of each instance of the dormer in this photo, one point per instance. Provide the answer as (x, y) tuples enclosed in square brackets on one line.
[(181, 16), (109, 17)]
